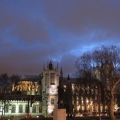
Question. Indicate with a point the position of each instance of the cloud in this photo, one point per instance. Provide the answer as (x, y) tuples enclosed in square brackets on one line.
[(83, 17), (35, 32), (22, 27), (67, 63)]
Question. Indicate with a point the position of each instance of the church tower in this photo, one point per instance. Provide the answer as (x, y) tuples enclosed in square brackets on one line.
[(49, 83)]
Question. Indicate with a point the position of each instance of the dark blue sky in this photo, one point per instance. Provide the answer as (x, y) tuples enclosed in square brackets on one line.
[(34, 32)]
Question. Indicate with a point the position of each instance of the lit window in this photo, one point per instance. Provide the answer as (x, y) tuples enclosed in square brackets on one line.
[(13, 109), (1, 108), (26, 109), (20, 109), (34, 109), (52, 100), (81, 97), (6, 109), (52, 82)]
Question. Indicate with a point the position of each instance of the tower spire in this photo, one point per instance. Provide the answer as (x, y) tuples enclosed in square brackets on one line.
[(68, 78), (61, 73)]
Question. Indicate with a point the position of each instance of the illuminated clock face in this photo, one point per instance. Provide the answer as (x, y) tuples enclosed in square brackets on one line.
[(52, 90)]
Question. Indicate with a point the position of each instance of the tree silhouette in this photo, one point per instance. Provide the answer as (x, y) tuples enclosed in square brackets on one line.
[(101, 65), (4, 82)]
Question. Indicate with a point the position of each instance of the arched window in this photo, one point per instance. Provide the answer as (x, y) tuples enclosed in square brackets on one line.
[(52, 100), (52, 79), (13, 109), (20, 108), (34, 109), (6, 108)]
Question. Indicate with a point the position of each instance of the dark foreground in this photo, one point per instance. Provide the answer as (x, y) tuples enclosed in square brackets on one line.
[(78, 118), (50, 118), (91, 118)]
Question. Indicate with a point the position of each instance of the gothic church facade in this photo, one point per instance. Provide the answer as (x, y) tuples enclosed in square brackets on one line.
[(40, 94)]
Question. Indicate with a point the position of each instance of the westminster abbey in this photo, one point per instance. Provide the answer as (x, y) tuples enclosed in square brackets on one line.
[(39, 95)]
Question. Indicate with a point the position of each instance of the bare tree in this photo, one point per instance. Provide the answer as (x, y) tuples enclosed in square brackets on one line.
[(15, 80), (102, 65), (4, 82)]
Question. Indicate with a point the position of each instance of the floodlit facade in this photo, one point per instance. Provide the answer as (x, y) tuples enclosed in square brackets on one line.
[(21, 98), (38, 95), (87, 97), (49, 84), (32, 95)]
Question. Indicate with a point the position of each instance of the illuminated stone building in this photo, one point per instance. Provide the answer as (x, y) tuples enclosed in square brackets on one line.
[(49, 83), (21, 98), (86, 95), (41, 94), (31, 95)]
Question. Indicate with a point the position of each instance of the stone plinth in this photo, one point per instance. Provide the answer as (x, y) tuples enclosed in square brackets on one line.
[(59, 114)]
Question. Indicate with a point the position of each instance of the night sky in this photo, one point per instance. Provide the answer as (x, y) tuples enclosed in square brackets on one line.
[(35, 32)]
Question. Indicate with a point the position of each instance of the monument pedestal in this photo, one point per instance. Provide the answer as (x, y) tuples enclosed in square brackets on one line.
[(59, 114)]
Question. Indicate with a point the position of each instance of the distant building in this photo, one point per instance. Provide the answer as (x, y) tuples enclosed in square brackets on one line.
[(41, 94), (23, 97)]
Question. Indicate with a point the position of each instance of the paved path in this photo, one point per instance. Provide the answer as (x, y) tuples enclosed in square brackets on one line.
[(16, 119)]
